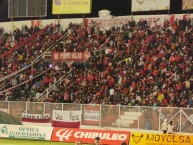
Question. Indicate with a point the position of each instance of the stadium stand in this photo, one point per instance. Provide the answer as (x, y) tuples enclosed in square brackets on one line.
[(139, 65)]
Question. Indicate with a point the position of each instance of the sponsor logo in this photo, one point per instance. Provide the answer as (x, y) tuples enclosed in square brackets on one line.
[(87, 135), (65, 134), (159, 139), (137, 138), (4, 130), (168, 138)]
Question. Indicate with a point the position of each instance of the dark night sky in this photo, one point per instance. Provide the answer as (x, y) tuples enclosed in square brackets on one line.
[(117, 8)]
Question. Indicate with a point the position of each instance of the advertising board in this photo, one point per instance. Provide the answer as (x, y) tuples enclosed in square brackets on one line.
[(71, 6), (149, 5), (159, 139), (109, 137), (187, 4), (25, 132)]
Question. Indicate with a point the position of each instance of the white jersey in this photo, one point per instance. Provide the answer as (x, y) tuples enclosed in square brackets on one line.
[(170, 128), (164, 126)]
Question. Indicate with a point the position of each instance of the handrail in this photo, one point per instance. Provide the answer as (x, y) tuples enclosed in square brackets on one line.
[(24, 42), (44, 94), (1, 92), (37, 59)]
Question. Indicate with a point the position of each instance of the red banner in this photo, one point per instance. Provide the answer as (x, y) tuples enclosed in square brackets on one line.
[(109, 137), (70, 56)]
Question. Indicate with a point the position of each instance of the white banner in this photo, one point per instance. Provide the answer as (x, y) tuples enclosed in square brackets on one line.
[(66, 116), (25, 132), (149, 5), (92, 113), (66, 119)]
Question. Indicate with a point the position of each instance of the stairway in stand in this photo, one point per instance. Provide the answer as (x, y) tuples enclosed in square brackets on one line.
[(128, 119)]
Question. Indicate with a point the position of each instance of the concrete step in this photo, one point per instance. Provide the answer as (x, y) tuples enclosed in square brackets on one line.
[(124, 121), (133, 113), (120, 124), (131, 117)]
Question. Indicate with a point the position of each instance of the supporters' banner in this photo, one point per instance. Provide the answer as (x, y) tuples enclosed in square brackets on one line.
[(109, 137), (39, 118), (149, 5), (107, 22), (157, 139), (71, 6), (152, 20), (187, 4), (25, 132), (67, 119), (36, 119), (70, 56), (91, 115)]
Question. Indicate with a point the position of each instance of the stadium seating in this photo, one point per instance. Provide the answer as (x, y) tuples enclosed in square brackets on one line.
[(139, 66)]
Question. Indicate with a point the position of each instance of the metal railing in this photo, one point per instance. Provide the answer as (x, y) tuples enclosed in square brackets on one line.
[(116, 116)]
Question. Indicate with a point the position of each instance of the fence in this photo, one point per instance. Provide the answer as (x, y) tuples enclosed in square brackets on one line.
[(117, 116)]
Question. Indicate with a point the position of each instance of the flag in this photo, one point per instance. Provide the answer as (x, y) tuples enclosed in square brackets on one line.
[(66, 119), (36, 119)]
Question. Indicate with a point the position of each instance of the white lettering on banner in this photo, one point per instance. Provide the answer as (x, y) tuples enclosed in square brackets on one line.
[(70, 56), (107, 136), (64, 134)]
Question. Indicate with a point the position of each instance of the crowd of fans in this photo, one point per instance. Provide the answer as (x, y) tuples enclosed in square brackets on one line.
[(139, 65)]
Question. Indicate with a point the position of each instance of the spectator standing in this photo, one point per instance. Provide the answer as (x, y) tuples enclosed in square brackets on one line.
[(164, 126), (170, 128)]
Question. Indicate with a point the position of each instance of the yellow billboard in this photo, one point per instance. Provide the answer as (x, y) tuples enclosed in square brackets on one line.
[(187, 4), (160, 139), (71, 6)]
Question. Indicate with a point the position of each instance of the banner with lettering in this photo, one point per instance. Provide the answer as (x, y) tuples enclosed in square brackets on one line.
[(152, 20), (187, 4), (91, 115), (70, 56), (71, 6), (36, 119), (87, 136), (149, 5), (160, 139), (67, 119), (25, 132)]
